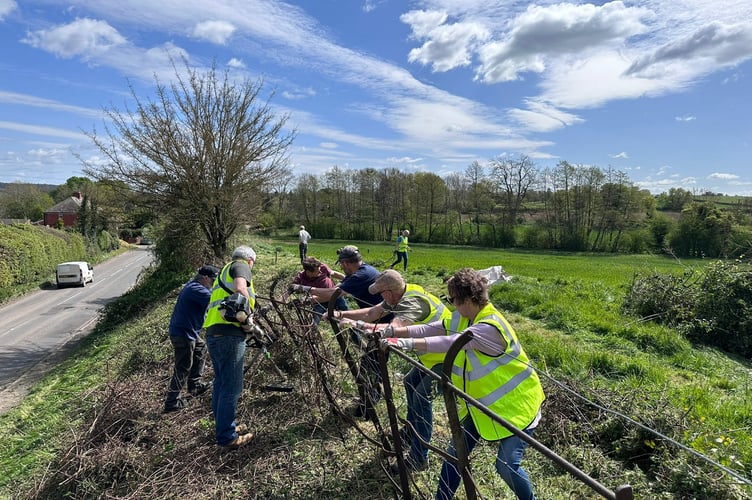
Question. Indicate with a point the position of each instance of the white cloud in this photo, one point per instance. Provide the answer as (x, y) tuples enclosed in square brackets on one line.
[(404, 160), (41, 130), (371, 5), (329, 145), (447, 46), (541, 117), (542, 32), (727, 177), (621, 156), (718, 43), (29, 100), (82, 37), (296, 94), (215, 31), (685, 118), (236, 63), (6, 7)]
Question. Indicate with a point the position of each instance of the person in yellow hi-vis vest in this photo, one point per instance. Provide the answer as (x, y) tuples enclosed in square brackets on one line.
[(226, 342), (493, 369), (401, 250), (411, 305)]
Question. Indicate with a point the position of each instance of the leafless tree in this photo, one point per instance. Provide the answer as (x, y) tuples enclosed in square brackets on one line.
[(198, 153), (514, 177)]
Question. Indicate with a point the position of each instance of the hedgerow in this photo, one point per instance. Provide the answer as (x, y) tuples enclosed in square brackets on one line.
[(712, 308), (29, 254)]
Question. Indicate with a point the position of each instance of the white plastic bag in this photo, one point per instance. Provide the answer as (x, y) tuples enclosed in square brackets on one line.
[(495, 274)]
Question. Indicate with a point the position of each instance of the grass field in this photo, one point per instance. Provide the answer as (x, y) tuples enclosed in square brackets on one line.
[(567, 311)]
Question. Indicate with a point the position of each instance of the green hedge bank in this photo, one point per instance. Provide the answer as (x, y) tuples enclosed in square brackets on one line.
[(29, 254)]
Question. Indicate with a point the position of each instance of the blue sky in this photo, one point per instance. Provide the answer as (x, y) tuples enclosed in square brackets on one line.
[(659, 89)]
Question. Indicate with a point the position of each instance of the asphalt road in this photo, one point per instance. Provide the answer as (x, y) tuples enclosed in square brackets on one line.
[(39, 329)]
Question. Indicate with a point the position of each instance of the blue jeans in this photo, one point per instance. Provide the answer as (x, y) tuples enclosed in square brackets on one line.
[(318, 309), (419, 392), (227, 352), (508, 466)]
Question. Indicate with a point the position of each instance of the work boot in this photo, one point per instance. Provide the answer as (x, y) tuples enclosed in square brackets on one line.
[(238, 442), (173, 406), (242, 429), (200, 388)]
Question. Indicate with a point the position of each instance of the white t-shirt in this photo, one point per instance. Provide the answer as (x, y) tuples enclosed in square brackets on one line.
[(304, 236)]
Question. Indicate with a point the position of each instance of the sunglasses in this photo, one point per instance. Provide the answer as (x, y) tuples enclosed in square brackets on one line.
[(449, 299)]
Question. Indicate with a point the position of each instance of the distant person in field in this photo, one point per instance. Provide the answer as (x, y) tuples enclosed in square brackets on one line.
[(185, 329), (411, 305), (493, 369), (316, 274), (401, 250), (303, 237)]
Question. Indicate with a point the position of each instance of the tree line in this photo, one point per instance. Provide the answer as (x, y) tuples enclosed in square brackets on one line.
[(509, 202)]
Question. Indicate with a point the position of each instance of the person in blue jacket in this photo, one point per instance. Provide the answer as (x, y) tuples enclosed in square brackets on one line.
[(185, 328)]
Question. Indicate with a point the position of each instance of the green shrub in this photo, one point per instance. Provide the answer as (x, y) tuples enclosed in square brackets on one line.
[(713, 309), (723, 311)]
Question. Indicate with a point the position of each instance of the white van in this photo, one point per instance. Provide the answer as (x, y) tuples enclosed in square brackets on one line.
[(74, 273)]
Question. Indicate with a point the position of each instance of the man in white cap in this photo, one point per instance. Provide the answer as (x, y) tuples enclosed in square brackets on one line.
[(304, 237), (226, 342)]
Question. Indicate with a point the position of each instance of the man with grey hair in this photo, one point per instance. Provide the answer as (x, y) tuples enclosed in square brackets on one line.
[(226, 342)]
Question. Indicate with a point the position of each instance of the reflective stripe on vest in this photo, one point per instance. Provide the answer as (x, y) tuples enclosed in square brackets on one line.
[(437, 312), (218, 294), (480, 370), (506, 384)]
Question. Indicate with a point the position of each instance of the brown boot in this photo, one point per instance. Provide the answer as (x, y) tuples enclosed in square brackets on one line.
[(238, 442)]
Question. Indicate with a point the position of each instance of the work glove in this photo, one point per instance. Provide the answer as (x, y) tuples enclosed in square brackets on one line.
[(406, 344), (299, 288), (248, 325), (387, 331)]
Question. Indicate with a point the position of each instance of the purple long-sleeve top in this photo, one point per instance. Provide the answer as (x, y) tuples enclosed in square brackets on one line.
[(486, 338)]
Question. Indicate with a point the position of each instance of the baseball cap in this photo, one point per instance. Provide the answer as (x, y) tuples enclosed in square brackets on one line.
[(209, 271), (348, 252), (388, 280)]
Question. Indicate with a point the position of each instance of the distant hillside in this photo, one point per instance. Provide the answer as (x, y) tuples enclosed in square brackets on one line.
[(43, 187)]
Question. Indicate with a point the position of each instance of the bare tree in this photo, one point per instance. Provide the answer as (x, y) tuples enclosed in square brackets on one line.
[(514, 178), (198, 154)]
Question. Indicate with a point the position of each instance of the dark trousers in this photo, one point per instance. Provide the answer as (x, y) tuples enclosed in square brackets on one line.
[(303, 247), (190, 358), (401, 257)]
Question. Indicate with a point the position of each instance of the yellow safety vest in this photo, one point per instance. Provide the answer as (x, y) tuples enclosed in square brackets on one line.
[(402, 243), (438, 311), (506, 384), (453, 322), (218, 294)]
